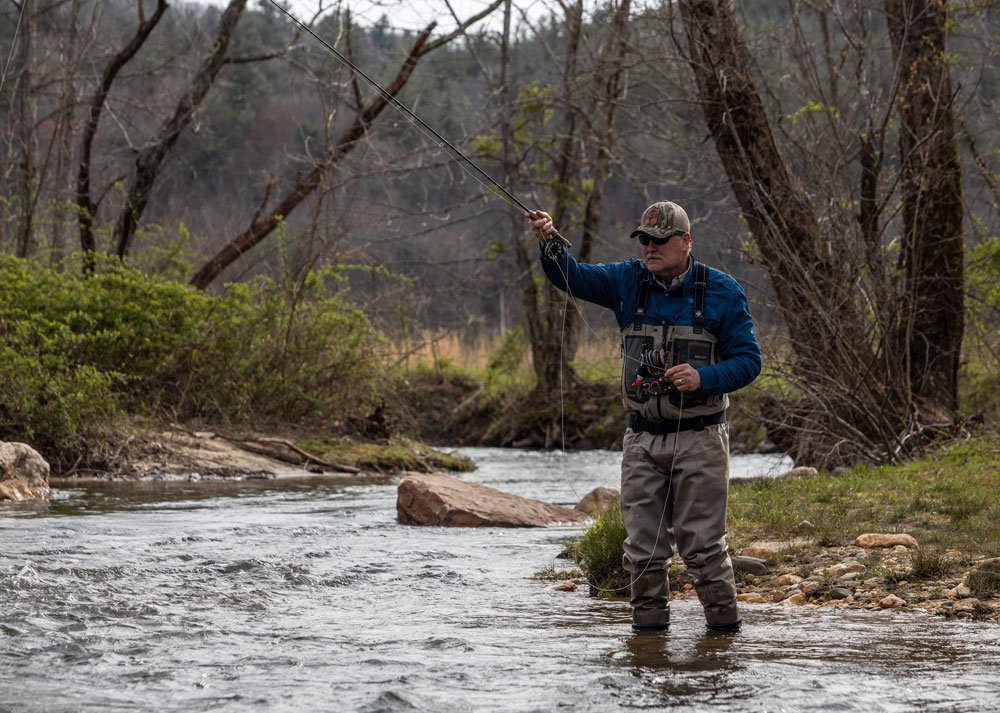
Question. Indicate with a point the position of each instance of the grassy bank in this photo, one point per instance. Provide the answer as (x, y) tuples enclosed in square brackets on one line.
[(805, 526), (947, 499)]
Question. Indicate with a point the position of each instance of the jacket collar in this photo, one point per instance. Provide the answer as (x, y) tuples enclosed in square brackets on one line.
[(685, 280)]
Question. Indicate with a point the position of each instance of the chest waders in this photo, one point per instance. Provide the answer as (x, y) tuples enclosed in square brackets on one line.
[(693, 507)]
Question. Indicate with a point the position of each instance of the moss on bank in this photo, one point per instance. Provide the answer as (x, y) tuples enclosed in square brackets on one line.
[(395, 456)]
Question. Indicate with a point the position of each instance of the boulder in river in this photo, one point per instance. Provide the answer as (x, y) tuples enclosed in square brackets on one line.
[(598, 500), (24, 474), (442, 500)]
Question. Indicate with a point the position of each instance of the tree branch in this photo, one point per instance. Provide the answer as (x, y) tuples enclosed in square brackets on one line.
[(87, 206)]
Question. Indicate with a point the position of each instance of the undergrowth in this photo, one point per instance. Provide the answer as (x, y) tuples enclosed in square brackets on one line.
[(79, 351)]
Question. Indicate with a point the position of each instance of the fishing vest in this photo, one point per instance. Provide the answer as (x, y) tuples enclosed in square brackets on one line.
[(648, 350)]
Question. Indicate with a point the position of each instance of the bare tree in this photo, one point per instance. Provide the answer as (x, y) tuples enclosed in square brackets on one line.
[(87, 206), (261, 226), (930, 331), (855, 398), (150, 159)]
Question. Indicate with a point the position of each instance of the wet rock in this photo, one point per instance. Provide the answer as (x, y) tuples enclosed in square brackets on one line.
[(891, 602), (436, 499), (960, 592), (568, 586), (810, 588), (786, 579), (598, 500), (841, 593), (759, 551), (971, 606), (835, 571), (24, 474), (880, 540), (985, 576), (752, 598), (751, 565), (795, 600)]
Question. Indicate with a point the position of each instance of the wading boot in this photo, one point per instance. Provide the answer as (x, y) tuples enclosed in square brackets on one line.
[(719, 601), (732, 628), (650, 601)]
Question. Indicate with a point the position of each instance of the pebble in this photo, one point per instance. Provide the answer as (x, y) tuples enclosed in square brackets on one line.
[(891, 602), (849, 577), (960, 592), (787, 579), (795, 600)]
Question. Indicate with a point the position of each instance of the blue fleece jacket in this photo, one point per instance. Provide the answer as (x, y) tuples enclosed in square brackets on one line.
[(615, 285)]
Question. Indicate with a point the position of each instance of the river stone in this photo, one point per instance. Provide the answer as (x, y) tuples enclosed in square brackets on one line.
[(876, 540), (598, 500), (751, 598), (803, 471), (436, 499), (752, 565), (786, 579), (891, 602), (24, 474), (840, 593), (759, 551), (795, 600)]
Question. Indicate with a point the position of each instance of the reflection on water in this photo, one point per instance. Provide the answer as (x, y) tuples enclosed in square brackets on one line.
[(292, 596)]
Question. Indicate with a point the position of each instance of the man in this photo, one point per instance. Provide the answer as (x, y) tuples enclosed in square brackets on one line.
[(687, 341)]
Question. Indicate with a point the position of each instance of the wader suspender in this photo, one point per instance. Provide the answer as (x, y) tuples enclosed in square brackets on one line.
[(700, 282), (641, 305)]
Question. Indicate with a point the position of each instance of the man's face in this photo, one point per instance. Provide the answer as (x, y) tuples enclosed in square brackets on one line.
[(669, 260)]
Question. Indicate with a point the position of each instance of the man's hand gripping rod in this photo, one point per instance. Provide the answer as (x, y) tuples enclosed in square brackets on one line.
[(554, 244)]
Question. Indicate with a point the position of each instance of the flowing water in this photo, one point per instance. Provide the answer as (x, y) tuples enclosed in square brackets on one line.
[(309, 596)]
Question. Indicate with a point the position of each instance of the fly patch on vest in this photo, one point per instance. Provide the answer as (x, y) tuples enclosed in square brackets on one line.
[(648, 350)]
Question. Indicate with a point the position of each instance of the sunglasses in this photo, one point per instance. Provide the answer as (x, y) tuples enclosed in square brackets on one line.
[(645, 239)]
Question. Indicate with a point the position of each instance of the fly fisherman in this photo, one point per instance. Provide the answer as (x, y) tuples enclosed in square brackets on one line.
[(687, 341)]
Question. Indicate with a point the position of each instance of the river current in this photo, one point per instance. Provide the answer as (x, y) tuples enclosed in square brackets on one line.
[(309, 596)]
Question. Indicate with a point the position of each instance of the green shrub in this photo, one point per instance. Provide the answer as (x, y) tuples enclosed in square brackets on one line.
[(77, 351), (600, 551)]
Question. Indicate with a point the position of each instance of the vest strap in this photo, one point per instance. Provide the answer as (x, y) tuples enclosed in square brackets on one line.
[(700, 283), (641, 305)]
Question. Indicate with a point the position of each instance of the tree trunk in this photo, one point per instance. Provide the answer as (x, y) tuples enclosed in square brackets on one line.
[(810, 281), (26, 131), (87, 208), (150, 160), (932, 252)]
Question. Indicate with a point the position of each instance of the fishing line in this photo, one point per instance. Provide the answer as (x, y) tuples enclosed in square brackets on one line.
[(13, 43), (512, 201), (420, 124)]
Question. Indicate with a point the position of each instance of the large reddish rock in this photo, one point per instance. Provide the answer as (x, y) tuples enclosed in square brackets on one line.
[(443, 500)]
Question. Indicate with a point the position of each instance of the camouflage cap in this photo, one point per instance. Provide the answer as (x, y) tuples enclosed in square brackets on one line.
[(663, 219)]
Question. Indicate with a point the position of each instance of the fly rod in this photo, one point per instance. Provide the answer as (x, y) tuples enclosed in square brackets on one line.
[(399, 106)]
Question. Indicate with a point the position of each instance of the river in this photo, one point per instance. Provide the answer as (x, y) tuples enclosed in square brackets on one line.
[(308, 596)]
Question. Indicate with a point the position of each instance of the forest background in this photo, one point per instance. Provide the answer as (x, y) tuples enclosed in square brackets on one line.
[(206, 217)]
